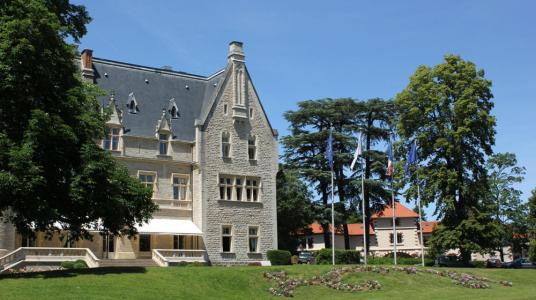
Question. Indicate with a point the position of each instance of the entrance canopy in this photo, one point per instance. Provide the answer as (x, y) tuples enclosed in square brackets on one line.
[(169, 226)]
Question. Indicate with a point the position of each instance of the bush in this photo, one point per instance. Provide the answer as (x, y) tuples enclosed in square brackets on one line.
[(400, 260), (279, 257), (532, 250), (79, 264), (294, 259), (341, 257), (67, 264), (478, 264), (190, 264)]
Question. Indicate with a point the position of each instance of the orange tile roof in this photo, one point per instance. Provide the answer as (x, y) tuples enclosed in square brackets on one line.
[(353, 229), (429, 226), (400, 212)]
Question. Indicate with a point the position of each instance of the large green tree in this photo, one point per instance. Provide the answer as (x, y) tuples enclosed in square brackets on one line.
[(294, 208), (52, 174), (532, 224), (375, 122), (447, 109), (510, 212), (305, 151)]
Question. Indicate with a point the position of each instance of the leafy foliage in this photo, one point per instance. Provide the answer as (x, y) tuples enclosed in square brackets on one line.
[(294, 208), (532, 224), (510, 212), (342, 257), (52, 174), (447, 109), (279, 257)]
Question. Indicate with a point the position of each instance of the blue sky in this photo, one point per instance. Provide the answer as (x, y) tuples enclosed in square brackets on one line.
[(299, 50)]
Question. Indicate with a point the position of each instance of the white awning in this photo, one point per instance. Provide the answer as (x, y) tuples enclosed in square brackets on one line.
[(169, 226)]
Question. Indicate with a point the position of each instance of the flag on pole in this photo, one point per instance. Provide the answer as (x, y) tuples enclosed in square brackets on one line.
[(358, 152), (329, 149), (390, 159), (412, 156)]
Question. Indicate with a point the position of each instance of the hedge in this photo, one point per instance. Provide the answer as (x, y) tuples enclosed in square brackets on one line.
[(279, 257), (79, 264), (385, 260), (342, 257)]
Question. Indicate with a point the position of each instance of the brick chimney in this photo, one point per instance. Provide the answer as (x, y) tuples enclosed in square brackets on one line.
[(86, 61)]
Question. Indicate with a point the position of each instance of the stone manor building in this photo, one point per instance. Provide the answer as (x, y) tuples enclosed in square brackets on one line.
[(206, 148)]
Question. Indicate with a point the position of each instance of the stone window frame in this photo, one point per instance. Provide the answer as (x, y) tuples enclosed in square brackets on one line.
[(178, 185), (251, 113), (229, 235), (256, 236), (227, 186), (155, 176), (252, 191), (225, 109), (226, 146), (110, 136), (252, 147), (163, 142), (233, 185), (399, 238)]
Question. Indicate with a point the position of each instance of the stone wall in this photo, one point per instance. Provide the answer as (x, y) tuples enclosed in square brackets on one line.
[(239, 214)]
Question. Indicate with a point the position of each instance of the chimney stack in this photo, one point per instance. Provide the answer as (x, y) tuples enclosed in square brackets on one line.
[(236, 51), (86, 60)]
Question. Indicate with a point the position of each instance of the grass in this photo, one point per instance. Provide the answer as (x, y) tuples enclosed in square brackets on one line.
[(248, 283)]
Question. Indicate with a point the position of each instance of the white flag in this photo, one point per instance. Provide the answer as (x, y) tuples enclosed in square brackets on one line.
[(358, 152)]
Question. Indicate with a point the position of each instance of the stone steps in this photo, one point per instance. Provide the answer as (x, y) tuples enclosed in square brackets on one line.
[(127, 263)]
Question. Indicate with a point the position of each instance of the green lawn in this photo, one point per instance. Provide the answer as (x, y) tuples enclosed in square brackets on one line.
[(248, 283)]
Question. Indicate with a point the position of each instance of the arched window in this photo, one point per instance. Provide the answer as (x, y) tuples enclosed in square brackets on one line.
[(252, 147), (225, 145)]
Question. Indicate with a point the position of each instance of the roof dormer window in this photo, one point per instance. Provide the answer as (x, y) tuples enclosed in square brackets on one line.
[(173, 109), (132, 105)]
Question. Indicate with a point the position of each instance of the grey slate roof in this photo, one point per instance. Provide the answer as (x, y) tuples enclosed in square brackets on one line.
[(153, 88)]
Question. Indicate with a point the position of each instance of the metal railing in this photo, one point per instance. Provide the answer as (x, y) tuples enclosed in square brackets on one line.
[(163, 257), (46, 254), (173, 203)]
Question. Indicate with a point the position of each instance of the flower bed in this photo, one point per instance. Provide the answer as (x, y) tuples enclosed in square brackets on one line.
[(333, 279)]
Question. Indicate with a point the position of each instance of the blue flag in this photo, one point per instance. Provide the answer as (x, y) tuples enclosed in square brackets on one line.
[(329, 149), (412, 156)]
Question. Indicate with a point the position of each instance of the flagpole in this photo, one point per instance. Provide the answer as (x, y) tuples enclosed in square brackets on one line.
[(395, 237), (419, 205), (420, 219), (365, 228), (332, 222)]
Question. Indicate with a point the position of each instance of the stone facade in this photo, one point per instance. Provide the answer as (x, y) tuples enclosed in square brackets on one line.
[(188, 114)]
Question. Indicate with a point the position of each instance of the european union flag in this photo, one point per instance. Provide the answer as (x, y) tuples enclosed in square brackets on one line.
[(412, 156), (329, 149)]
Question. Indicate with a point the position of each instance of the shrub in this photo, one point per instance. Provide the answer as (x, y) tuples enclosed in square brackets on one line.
[(279, 257), (400, 260), (479, 264), (190, 264), (67, 264), (532, 250), (341, 256), (79, 264), (294, 259)]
